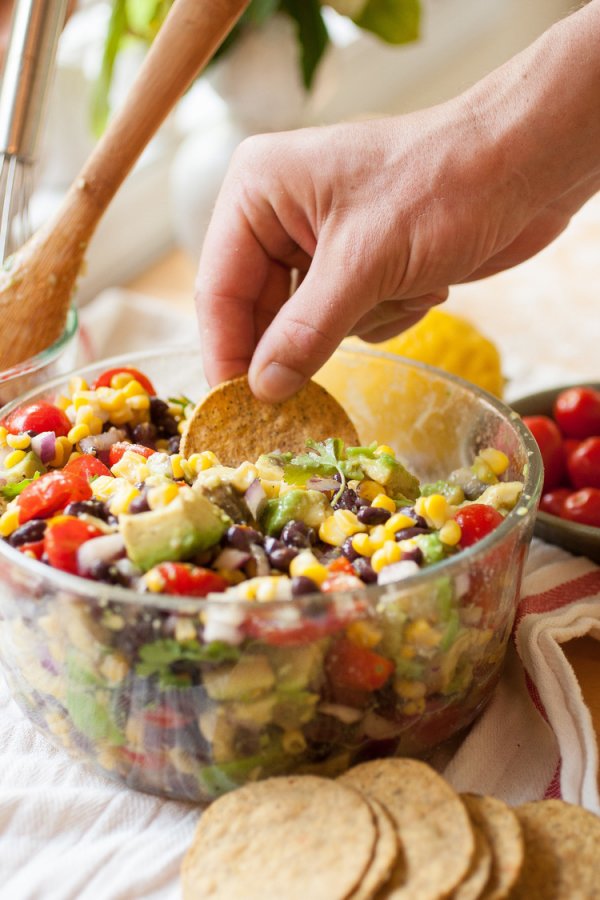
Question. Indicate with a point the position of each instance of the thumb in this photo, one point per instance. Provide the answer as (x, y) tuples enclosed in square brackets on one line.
[(309, 326)]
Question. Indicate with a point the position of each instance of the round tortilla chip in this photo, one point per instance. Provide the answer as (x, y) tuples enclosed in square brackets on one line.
[(294, 837), (475, 880), (562, 852), (237, 426), (433, 826), (500, 826), (387, 850)]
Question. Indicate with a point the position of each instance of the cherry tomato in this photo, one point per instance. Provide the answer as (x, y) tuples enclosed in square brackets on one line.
[(189, 580), (553, 501), (570, 445), (63, 538), (476, 521), (87, 466), (341, 564), (577, 412), (583, 465), (280, 634), (33, 548), (583, 507), (352, 666), (549, 440), (105, 379), (50, 493), (38, 417), (120, 447)]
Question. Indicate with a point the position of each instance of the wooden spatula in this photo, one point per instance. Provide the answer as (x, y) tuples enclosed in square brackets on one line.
[(36, 285)]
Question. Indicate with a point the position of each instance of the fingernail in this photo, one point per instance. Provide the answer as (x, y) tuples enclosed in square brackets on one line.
[(276, 382)]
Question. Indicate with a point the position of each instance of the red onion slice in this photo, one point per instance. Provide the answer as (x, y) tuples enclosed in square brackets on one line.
[(230, 558), (44, 445), (106, 548), (96, 443), (261, 560), (255, 498)]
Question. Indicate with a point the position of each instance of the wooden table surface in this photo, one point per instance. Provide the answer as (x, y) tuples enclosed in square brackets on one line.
[(172, 279)]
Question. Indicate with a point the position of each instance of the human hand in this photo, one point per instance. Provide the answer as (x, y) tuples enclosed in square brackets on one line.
[(379, 218)]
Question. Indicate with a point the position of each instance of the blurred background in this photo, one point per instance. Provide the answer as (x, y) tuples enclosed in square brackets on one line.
[(256, 85)]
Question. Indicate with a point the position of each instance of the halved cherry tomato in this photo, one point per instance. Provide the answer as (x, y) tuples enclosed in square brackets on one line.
[(353, 666), (38, 417), (87, 466), (279, 634), (105, 379), (33, 548), (62, 540), (341, 564), (583, 507), (120, 447), (189, 580), (583, 464), (50, 493), (553, 502), (476, 521), (549, 440), (577, 412)]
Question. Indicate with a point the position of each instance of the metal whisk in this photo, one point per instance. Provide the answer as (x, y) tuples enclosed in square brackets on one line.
[(28, 70)]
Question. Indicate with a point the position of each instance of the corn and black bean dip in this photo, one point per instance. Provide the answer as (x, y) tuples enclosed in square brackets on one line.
[(94, 484)]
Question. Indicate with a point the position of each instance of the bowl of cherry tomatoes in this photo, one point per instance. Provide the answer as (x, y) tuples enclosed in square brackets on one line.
[(565, 421)]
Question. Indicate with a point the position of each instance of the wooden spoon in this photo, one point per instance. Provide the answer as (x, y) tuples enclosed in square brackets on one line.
[(36, 285)]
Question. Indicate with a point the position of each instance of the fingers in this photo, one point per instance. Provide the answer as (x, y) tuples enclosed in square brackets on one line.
[(391, 317)]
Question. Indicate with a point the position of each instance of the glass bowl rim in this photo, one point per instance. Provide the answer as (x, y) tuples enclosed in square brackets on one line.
[(44, 357), (98, 591)]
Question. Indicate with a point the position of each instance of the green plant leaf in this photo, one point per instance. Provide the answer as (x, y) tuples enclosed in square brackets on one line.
[(312, 35), (394, 21), (117, 29), (144, 17)]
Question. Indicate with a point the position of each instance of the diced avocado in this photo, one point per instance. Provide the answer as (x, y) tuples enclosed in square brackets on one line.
[(502, 496), (311, 507), (254, 714), (227, 498), (247, 679), (431, 547), (389, 472), (296, 667), (188, 524), (294, 709), (91, 714), (29, 466), (452, 492)]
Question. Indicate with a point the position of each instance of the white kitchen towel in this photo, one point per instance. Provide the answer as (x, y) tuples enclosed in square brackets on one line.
[(68, 833)]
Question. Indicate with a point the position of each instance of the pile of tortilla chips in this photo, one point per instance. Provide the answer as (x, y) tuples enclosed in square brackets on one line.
[(390, 828)]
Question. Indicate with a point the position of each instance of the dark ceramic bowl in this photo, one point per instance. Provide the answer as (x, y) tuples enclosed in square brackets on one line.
[(582, 540)]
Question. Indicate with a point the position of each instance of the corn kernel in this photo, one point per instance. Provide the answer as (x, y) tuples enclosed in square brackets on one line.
[(386, 555), (384, 448), (436, 509), (348, 522), (271, 488), (409, 690), (496, 460), (62, 402), (483, 471), (202, 461), (122, 498), (84, 413), (398, 522), (368, 490), (114, 667), (18, 441), (62, 451), (378, 536), (83, 398), (307, 564), (176, 466), (77, 384), (185, 630), (365, 634), (132, 466), (382, 501), (414, 707), (162, 495), (154, 581), (362, 544), (266, 589), (110, 400), (3, 436), (407, 652), (9, 522), (293, 741), (181, 426), (121, 379), (421, 634), (103, 487), (77, 433), (450, 533), (133, 389), (121, 416), (331, 532), (14, 458), (139, 403), (244, 475)]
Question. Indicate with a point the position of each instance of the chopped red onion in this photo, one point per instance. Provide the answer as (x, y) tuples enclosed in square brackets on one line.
[(398, 571), (346, 714), (317, 483), (230, 558), (96, 443), (100, 549), (255, 498), (380, 729), (44, 445), (261, 560)]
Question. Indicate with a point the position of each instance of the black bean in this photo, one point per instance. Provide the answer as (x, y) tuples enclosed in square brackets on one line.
[(414, 555), (298, 534), (174, 442), (405, 533), (95, 508), (158, 409), (365, 570), (109, 573), (281, 557), (139, 504), (145, 433), (348, 550), (242, 537), (303, 585), (28, 533), (410, 512), (348, 499), (373, 515)]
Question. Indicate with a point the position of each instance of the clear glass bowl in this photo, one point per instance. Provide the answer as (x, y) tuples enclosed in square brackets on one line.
[(126, 681), (58, 359)]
